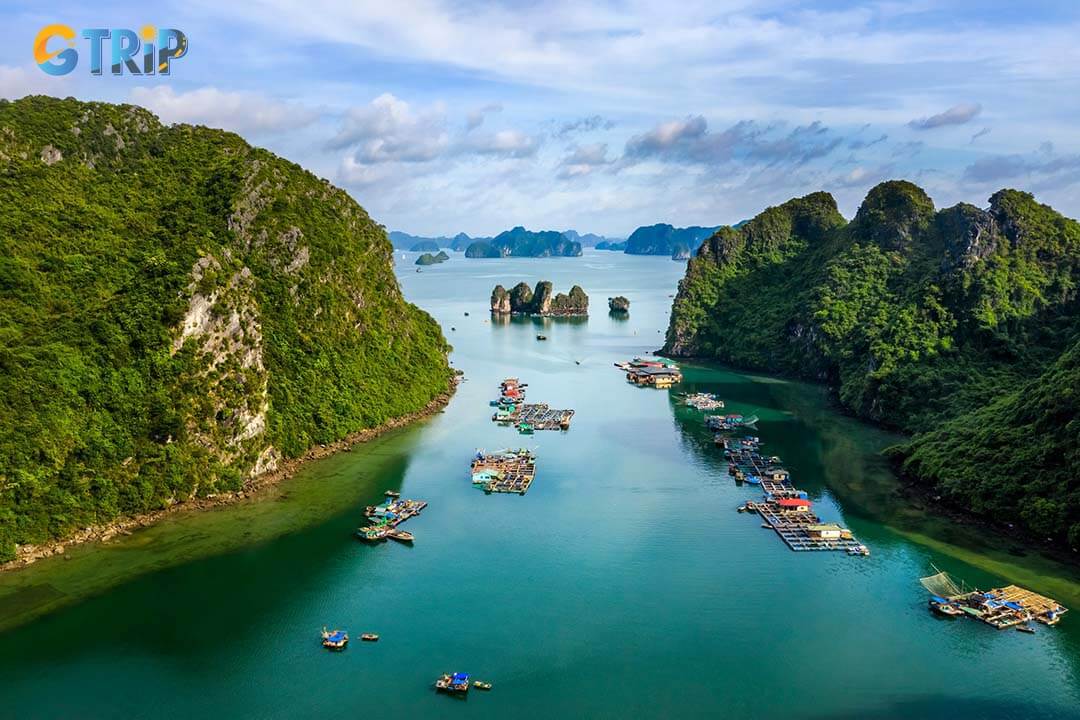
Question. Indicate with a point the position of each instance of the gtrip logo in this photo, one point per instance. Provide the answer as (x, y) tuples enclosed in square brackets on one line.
[(148, 52)]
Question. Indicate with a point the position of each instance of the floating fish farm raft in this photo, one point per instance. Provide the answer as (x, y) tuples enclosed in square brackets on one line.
[(511, 409), (703, 401), (784, 508), (727, 423), (505, 471), (537, 416), (1005, 607), (384, 518)]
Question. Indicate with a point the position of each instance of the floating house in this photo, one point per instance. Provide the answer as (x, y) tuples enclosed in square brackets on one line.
[(794, 504), (660, 377), (827, 531)]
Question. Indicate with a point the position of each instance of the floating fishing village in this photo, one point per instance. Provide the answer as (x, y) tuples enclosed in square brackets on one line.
[(783, 507), (787, 511)]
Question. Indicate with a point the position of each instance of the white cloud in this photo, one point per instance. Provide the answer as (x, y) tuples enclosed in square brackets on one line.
[(242, 112), (956, 115), (16, 82), (502, 143), (476, 118), (389, 130), (583, 159)]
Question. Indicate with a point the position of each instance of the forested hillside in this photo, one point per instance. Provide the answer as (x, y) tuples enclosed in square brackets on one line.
[(952, 325), (179, 311)]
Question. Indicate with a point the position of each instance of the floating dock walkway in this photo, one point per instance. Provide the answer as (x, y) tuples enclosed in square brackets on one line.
[(784, 508)]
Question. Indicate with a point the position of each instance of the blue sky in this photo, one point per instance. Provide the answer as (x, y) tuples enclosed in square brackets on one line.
[(441, 116)]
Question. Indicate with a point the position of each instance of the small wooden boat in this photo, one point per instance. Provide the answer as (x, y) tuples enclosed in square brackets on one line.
[(859, 550), (392, 493), (541, 337), (466, 314), (455, 683), (334, 639), (481, 685), (943, 607), (369, 637), (1025, 629), (403, 536), (372, 534)]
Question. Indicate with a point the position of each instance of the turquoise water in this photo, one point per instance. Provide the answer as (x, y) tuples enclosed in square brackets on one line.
[(624, 584)]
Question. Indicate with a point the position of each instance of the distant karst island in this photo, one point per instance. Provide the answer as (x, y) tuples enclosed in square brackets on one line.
[(522, 300), (429, 259), (663, 239), (520, 242), (516, 242), (618, 304)]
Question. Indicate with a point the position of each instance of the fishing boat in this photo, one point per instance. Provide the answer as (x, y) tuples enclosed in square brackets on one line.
[(402, 536), (858, 550), (943, 607), (481, 685), (392, 493), (334, 639), (541, 337), (369, 637), (1025, 629), (372, 534), (454, 683), (525, 429)]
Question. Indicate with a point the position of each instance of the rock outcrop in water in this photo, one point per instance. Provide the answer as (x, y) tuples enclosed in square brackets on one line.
[(618, 304), (429, 259), (523, 300), (154, 352), (936, 322)]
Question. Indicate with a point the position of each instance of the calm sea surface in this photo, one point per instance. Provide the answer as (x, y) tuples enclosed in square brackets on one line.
[(623, 585)]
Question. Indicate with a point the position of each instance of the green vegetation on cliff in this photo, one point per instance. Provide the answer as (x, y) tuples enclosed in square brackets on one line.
[(179, 311), (922, 320)]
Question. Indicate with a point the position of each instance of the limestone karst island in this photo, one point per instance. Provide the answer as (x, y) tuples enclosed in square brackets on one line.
[(304, 411)]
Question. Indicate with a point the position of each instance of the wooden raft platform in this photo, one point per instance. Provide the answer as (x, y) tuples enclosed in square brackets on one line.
[(539, 416), (507, 471), (784, 508), (1042, 608)]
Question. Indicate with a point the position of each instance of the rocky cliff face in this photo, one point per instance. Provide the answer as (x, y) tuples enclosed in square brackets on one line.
[(182, 310), (914, 316)]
